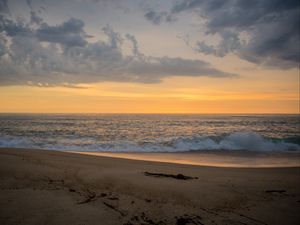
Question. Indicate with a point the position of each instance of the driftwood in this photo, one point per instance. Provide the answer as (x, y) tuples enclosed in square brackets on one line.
[(115, 208), (90, 197), (175, 176), (276, 191)]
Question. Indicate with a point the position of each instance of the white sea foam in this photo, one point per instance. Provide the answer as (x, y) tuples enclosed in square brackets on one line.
[(15, 142), (236, 141)]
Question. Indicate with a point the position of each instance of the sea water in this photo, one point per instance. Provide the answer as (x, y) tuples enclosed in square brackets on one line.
[(150, 132)]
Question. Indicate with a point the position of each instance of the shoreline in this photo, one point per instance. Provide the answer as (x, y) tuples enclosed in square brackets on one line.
[(54, 187), (211, 158), (232, 159)]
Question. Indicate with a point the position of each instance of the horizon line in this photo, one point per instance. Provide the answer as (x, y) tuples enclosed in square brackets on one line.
[(158, 113)]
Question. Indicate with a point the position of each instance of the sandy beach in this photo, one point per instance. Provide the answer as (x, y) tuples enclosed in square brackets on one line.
[(52, 187)]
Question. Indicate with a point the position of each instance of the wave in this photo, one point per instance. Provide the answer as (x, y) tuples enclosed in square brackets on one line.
[(236, 141), (239, 141)]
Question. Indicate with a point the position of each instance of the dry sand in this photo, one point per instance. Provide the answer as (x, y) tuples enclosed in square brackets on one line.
[(49, 187)]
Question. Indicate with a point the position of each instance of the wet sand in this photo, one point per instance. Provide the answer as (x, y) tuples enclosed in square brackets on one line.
[(51, 187), (240, 159)]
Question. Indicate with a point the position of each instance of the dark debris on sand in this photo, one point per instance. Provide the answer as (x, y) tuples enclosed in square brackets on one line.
[(175, 176), (276, 191), (185, 220)]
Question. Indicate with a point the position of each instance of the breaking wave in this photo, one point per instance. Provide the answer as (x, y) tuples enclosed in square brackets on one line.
[(250, 141)]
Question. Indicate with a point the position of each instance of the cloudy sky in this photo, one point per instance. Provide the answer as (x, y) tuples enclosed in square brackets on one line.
[(136, 56)]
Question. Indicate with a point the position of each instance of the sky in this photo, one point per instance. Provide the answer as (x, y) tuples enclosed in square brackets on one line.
[(136, 56)]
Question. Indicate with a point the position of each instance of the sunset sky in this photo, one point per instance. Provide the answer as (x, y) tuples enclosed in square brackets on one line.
[(137, 56)]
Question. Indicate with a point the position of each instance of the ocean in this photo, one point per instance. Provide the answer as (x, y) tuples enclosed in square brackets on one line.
[(150, 132)]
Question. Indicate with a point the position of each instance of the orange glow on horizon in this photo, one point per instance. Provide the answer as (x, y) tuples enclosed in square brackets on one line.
[(174, 95)]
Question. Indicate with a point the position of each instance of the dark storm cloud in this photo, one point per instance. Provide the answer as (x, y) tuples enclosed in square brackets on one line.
[(35, 18), (4, 7), (69, 33), (157, 18), (13, 28), (37, 53), (230, 42), (272, 26), (29, 3)]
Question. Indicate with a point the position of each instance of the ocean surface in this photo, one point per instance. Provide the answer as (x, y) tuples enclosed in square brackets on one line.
[(150, 133)]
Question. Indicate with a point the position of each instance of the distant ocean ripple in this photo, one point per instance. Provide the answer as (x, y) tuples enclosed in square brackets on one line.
[(150, 133)]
